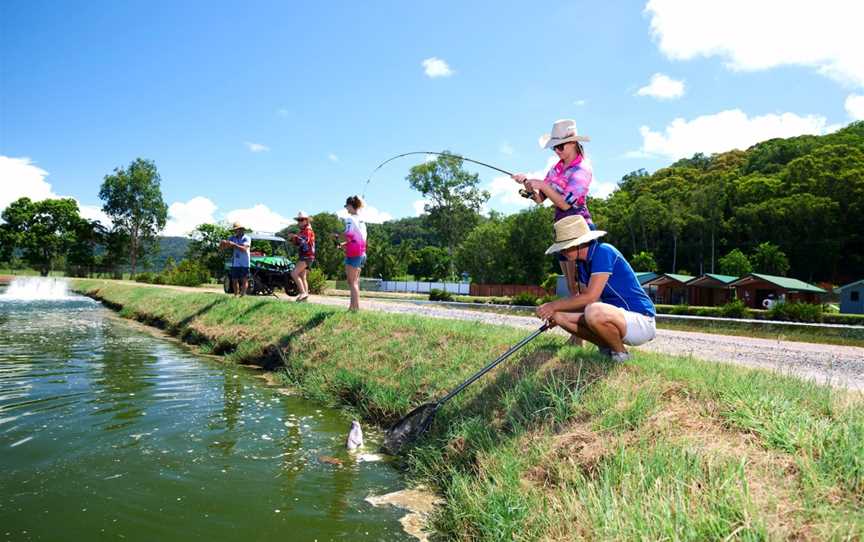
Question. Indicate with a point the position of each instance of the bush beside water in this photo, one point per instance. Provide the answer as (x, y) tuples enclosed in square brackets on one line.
[(440, 295), (317, 280), (186, 273)]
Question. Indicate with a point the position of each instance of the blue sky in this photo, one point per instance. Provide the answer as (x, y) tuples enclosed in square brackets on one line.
[(256, 111)]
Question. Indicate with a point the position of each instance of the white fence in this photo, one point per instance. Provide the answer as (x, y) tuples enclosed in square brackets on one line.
[(414, 286)]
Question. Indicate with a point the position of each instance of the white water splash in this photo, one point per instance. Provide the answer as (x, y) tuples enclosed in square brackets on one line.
[(37, 289)]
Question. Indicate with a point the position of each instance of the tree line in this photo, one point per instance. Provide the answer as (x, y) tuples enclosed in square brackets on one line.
[(790, 206)]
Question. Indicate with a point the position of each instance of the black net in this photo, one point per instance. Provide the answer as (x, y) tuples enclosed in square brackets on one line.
[(409, 428)]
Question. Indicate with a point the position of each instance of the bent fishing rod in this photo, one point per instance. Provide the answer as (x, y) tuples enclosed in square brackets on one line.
[(385, 162)]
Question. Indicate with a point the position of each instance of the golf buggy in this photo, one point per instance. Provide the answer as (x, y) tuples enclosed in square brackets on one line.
[(269, 266)]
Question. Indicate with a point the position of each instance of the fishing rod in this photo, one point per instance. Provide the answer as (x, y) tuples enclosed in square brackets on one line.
[(522, 191)]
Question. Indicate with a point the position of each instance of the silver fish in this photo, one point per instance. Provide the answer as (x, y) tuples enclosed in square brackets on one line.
[(355, 436)]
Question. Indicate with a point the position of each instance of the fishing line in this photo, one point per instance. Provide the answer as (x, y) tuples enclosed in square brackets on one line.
[(385, 162)]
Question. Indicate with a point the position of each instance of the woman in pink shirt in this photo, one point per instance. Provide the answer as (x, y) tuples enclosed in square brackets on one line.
[(355, 248), (566, 184)]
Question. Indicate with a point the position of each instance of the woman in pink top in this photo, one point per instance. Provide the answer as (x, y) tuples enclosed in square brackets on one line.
[(355, 248), (566, 184)]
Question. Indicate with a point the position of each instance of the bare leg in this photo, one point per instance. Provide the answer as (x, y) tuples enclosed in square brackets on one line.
[(244, 286), (575, 323), (235, 287), (353, 275), (305, 282), (568, 268), (607, 322), (297, 277)]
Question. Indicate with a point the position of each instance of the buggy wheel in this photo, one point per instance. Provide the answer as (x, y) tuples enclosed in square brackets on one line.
[(290, 286), (252, 288)]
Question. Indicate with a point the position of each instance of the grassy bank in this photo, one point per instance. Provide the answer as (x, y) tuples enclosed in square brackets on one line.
[(557, 443)]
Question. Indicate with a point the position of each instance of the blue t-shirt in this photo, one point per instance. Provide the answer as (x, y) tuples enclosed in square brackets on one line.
[(240, 257), (623, 288)]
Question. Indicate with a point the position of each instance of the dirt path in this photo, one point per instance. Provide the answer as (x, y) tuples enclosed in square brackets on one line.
[(841, 366)]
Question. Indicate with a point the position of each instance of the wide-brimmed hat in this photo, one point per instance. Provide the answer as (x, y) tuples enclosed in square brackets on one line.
[(237, 226), (302, 215), (563, 131), (572, 231)]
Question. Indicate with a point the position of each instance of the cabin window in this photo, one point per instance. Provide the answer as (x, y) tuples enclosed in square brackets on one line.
[(854, 295)]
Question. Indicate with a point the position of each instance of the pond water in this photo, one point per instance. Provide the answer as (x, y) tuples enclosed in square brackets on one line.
[(111, 433)]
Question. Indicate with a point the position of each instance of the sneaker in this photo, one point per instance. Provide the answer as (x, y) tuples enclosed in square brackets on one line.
[(605, 351), (620, 357), (301, 298)]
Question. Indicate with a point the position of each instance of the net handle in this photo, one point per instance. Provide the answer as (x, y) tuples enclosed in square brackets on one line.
[(493, 364)]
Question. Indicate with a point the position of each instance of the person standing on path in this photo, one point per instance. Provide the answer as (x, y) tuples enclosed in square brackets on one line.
[(565, 185), (355, 248), (239, 272), (305, 241), (612, 309)]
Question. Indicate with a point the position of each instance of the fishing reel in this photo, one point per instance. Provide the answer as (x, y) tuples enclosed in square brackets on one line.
[(525, 193)]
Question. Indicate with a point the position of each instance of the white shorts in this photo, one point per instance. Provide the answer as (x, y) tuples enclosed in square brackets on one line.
[(640, 328)]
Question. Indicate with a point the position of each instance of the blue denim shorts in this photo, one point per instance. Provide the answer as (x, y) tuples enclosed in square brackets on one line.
[(356, 261), (239, 273)]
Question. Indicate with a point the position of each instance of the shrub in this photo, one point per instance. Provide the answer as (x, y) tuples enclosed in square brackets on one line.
[(680, 309), (551, 283), (526, 299), (796, 312), (146, 278), (317, 280), (735, 309), (546, 298), (440, 295), (186, 273)]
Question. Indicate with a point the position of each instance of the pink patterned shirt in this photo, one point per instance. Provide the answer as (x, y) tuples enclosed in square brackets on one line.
[(572, 182)]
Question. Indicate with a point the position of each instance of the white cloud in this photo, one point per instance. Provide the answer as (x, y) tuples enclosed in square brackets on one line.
[(435, 67), (855, 106), (282, 112), (662, 87), (766, 34), (93, 212), (369, 214), (185, 217), (259, 218), (419, 206), (256, 147), (506, 148), (580, 102), (22, 178), (723, 131), (332, 157)]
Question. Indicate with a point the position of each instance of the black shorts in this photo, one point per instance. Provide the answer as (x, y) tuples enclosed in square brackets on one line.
[(238, 273)]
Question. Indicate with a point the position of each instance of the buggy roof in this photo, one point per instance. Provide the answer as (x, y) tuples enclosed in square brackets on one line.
[(264, 236)]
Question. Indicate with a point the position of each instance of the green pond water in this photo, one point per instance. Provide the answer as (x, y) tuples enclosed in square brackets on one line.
[(110, 433)]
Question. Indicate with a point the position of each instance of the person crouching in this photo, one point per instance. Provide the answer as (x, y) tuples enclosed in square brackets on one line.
[(612, 309)]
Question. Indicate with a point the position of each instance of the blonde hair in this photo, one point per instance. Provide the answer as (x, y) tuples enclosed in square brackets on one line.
[(355, 201)]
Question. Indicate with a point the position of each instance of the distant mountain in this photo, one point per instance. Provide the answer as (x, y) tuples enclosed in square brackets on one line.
[(169, 247)]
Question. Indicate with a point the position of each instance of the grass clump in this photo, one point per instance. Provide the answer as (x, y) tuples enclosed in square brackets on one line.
[(557, 443)]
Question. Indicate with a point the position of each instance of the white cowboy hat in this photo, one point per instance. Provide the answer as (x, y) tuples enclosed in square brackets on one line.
[(572, 231), (237, 226), (563, 131), (301, 215)]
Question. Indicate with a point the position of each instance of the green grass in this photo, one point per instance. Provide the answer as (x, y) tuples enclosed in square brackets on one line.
[(557, 443)]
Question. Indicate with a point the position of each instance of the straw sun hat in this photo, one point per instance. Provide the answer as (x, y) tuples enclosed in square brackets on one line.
[(301, 215), (572, 231), (563, 131), (237, 226)]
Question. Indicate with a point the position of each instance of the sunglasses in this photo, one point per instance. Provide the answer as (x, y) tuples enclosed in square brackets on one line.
[(560, 146)]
